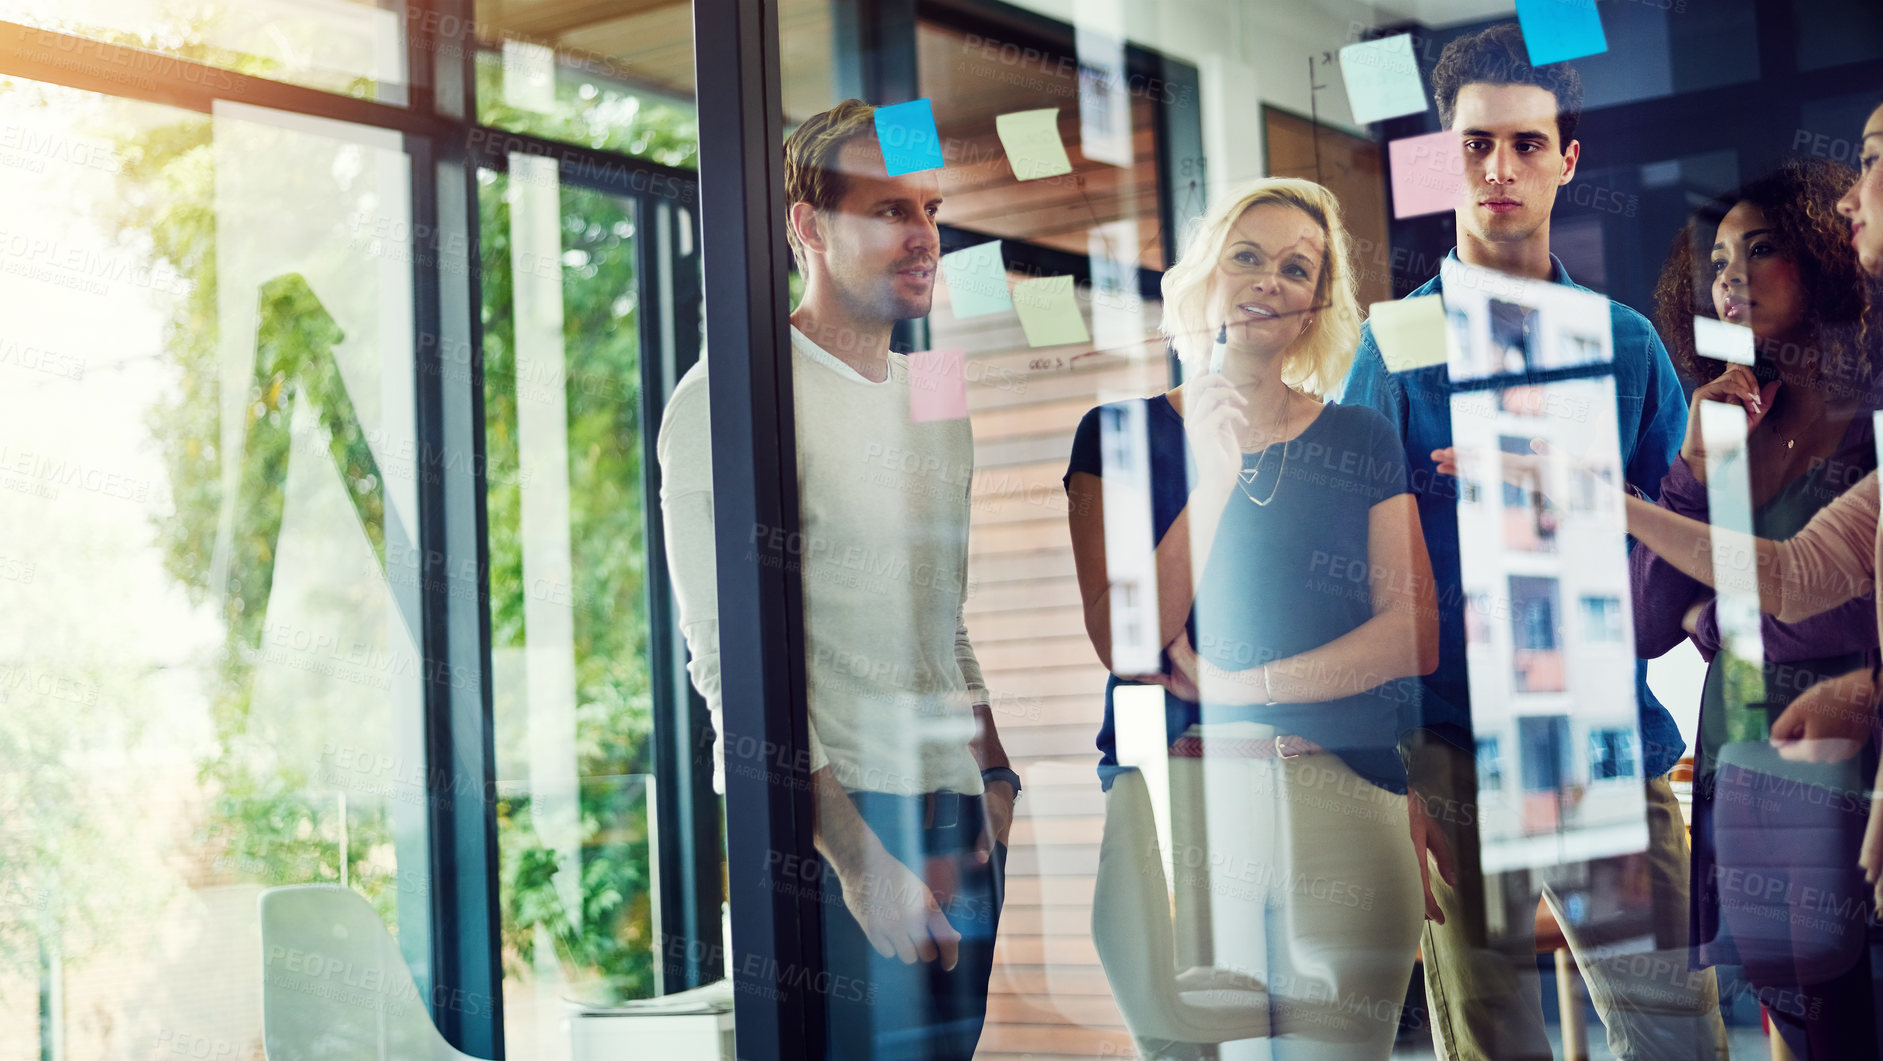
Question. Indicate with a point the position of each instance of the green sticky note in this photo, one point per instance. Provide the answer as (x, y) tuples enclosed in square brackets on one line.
[(1032, 142), (1410, 332), (977, 280), (1049, 313)]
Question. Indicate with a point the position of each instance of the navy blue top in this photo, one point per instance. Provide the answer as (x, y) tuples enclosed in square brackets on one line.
[(1653, 419), (1282, 578)]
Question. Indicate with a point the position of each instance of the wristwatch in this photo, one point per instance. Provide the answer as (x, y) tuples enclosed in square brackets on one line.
[(1002, 773)]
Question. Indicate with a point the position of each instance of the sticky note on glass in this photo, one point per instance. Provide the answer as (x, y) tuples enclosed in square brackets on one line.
[(938, 386), (1410, 332), (1032, 142), (1722, 341), (977, 280), (1382, 79), (1555, 30), (1428, 173), (907, 134), (1049, 313), (529, 76)]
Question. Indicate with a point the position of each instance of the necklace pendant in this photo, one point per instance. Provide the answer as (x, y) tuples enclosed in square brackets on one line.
[(1248, 474)]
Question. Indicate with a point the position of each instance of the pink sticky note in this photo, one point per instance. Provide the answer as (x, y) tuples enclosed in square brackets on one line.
[(938, 386), (1428, 173)]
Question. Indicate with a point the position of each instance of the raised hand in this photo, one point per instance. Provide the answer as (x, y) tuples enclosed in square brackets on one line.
[(1214, 422), (1429, 840), (1829, 722), (1736, 386)]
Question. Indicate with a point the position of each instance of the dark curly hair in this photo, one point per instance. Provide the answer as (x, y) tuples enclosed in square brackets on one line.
[(1799, 201), (1498, 56)]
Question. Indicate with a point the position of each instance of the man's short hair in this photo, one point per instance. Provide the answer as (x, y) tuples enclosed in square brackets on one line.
[(812, 174), (1497, 56)]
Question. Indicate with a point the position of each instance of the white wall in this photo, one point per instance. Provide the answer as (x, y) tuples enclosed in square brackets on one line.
[(1248, 52)]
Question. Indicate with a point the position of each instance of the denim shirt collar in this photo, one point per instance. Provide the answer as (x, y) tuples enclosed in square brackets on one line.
[(1558, 275)]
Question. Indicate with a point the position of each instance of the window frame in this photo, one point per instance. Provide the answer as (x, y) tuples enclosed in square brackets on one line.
[(457, 962)]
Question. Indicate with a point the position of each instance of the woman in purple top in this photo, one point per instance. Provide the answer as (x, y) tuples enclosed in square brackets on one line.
[(1776, 258)]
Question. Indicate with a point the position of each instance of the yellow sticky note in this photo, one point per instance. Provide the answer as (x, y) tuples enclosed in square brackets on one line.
[(1031, 139), (1049, 313), (1410, 331)]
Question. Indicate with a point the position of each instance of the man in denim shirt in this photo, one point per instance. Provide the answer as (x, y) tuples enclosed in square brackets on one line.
[(1517, 124)]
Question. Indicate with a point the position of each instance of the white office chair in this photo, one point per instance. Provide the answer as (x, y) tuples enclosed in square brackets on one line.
[(1131, 928), (334, 985)]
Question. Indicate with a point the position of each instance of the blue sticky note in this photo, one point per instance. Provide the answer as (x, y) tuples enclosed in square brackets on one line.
[(977, 280), (1555, 30), (907, 133)]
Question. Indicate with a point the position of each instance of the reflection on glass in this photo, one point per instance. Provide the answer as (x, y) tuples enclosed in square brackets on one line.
[(585, 99), (1545, 572), (1508, 325), (212, 681), (1736, 586), (570, 670), (1125, 438), (621, 76), (356, 47), (973, 78)]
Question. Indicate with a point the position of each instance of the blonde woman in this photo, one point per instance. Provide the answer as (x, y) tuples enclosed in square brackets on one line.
[(1293, 594)]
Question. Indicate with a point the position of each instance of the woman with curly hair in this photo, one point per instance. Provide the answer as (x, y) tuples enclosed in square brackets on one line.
[(1765, 267), (1775, 258)]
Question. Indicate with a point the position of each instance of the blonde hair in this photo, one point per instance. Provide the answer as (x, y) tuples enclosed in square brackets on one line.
[(812, 174), (1316, 362)]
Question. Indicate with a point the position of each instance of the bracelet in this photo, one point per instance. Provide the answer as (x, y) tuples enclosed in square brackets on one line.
[(1002, 773), (1268, 694)]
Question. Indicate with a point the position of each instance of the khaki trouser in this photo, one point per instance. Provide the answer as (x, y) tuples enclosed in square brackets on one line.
[(1314, 870), (1486, 998)]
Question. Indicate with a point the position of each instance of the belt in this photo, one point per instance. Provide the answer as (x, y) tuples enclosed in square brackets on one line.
[(1280, 746), (942, 810)]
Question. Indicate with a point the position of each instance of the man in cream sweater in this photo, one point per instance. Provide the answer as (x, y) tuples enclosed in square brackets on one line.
[(914, 794)]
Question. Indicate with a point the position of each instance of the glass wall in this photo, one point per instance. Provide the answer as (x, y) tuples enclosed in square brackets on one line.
[(547, 530), (214, 626), (270, 693), (1325, 744)]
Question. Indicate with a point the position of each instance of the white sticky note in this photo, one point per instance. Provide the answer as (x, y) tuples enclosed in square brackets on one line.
[(1049, 312), (1104, 102), (1722, 341), (529, 76), (1117, 306), (977, 280), (1382, 79), (1031, 139), (1410, 332)]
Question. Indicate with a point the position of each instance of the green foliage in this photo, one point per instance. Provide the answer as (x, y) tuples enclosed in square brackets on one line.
[(266, 822), (273, 824), (595, 112), (614, 694), (1742, 686)]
